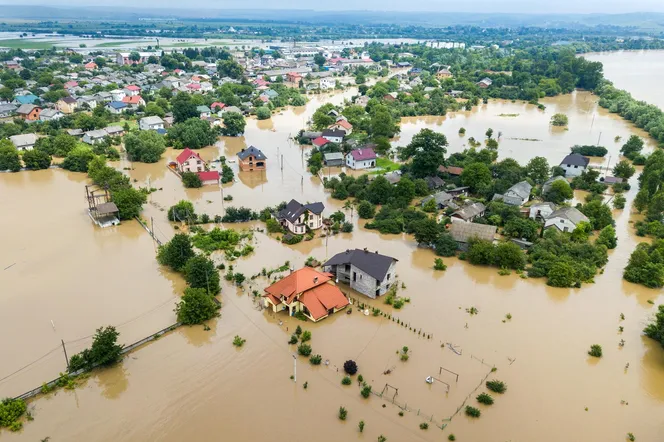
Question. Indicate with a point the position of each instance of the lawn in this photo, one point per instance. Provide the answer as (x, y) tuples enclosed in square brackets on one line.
[(113, 44), (20, 43), (386, 164)]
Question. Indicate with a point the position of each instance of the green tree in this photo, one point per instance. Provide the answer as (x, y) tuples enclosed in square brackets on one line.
[(36, 159), (366, 210), (129, 201), (477, 176), (559, 120), (537, 169), (233, 124), (194, 133), (322, 118), (230, 68), (403, 192), (522, 228), (200, 272), (559, 192), (624, 170), (509, 255), (655, 329), (382, 124), (154, 109), (145, 146), (182, 211), (598, 213), (176, 252), (9, 157), (480, 252), (183, 108), (445, 245), (426, 231), (428, 149), (319, 59), (191, 180), (561, 274), (104, 351), (607, 237), (489, 133), (632, 147), (379, 191), (195, 307), (263, 113), (78, 158)]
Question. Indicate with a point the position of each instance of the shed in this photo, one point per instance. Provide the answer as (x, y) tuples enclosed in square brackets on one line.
[(333, 159), (465, 232)]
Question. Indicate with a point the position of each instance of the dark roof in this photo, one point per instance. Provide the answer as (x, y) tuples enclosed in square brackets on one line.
[(68, 100), (575, 159), (373, 263), (334, 133), (107, 208), (294, 209), (251, 150)]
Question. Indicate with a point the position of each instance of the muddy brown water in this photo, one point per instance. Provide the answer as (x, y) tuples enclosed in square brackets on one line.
[(194, 383)]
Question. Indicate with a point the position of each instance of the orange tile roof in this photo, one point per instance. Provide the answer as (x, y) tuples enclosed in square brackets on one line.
[(297, 282), (323, 298)]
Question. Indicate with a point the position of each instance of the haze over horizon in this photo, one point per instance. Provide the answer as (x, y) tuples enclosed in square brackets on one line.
[(470, 6)]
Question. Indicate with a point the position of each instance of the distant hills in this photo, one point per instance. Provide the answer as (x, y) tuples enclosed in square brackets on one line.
[(645, 21)]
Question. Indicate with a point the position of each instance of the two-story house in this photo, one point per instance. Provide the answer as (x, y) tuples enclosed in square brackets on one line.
[(364, 158), (297, 217), (370, 273), (66, 105), (517, 195), (565, 219), (190, 161), (251, 159), (29, 112), (574, 164)]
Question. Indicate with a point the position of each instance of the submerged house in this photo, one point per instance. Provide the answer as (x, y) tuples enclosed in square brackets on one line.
[(251, 159), (308, 291), (370, 273), (574, 164), (297, 217), (517, 195), (463, 233), (565, 219)]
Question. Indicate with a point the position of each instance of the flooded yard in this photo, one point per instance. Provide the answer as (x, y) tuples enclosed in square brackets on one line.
[(195, 384)]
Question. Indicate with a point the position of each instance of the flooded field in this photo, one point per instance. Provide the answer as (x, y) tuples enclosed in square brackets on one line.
[(195, 384)]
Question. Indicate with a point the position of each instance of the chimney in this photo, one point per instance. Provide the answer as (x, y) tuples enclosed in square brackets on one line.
[(365, 250), (315, 279)]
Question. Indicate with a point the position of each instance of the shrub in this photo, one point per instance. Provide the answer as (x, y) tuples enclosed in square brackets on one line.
[(273, 226), (191, 180), (559, 120), (263, 113), (304, 349), (485, 399), (630, 437), (11, 411), (472, 411), (439, 265), (346, 380), (496, 386), (619, 201), (424, 426), (451, 437), (292, 340), (445, 245), (298, 330), (350, 367), (360, 426), (366, 391), (315, 359), (366, 210), (238, 341), (382, 438), (595, 351), (196, 306), (347, 227), (342, 413), (305, 336), (360, 379)]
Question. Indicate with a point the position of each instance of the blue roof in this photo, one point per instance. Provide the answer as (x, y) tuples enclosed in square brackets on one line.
[(117, 104), (27, 99), (162, 131)]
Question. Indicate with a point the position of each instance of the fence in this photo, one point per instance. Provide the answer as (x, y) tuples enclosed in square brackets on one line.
[(151, 232)]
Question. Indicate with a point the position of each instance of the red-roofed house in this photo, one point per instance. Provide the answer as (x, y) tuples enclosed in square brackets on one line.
[(90, 66), (190, 161), (194, 87), (320, 142), (342, 124), (132, 90), (260, 82), (293, 77), (308, 291), (70, 84), (209, 177), (217, 106), (364, 158), (452, 170), (134, 101)]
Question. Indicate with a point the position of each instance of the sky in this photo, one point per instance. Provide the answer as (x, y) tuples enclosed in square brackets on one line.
[(508, 6)]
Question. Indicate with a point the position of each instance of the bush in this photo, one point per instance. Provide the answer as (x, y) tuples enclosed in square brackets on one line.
[(439, 265), (595, 351), (273, 226), (183, 211), (424, 426), (472, 411), (350, 367), (36, 159), (451, 437), (238, 341), (263, 113), (104, 351), (200, 273), (315, 359), (11, 411), (347, 227), (304, 349), (343, 413), (366, 391), (485, 399), (196, 306), (559, 120), (346, 380), (445, 245), (305, 336), (496, 386), (360, 426), (366, 210), (191, 180), (619, 201), (655, 329), (590, 151)]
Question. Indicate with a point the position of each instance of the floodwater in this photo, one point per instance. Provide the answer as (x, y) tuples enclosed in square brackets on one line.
[(195, 384)]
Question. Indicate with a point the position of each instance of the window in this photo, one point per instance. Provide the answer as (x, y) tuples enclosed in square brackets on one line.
[(388, 276)]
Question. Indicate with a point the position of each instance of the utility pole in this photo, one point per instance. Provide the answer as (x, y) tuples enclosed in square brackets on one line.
[(295, 369), (282, 162), (598, 138), (152, 227), (65, 350)]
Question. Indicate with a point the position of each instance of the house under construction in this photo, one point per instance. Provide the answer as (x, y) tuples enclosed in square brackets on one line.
[(101, 209)]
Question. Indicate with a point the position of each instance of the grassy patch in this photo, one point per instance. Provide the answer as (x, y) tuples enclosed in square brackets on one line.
[(113, 44), (20, 43)]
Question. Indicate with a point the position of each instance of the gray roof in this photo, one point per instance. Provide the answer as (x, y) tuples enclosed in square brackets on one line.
[(374, 264), (330, 156), (25, 109), (294, 209), (547, 184), (251, 150), (107, 208), (545, 204), (442, 198), (49, 113), (23, 140), (7, 108), (575, 159), (470, 211), (99, 133), (114, 129), (334, 133), (522, 189), (464, 232), (311, 135), (570, 213), (393, 177), (232, 109), (154, 119)]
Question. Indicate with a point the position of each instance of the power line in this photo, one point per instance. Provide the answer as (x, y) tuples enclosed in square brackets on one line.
[(28, 365)]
